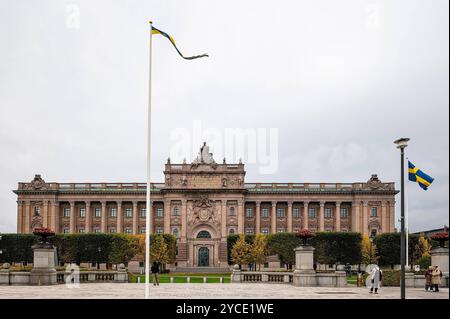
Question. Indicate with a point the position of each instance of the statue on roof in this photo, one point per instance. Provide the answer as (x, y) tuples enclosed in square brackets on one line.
[(204, 156)]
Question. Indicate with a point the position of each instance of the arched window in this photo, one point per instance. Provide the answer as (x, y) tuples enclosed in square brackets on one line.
[(231, 231), (175, 232), (203, 234)]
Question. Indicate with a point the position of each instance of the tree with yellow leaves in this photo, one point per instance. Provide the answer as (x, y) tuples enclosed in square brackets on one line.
[(259, 250), (241, 252), (368, 251)]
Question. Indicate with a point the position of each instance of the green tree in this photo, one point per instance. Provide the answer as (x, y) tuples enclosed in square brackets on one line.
[(259, 250), (123, 248), (241, 252), (283, 245)]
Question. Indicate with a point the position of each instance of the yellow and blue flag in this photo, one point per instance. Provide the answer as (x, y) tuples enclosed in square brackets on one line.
[(156, 31), (416, 175)]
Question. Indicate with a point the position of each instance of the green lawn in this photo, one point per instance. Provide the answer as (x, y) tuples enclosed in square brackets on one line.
[(181, 278)]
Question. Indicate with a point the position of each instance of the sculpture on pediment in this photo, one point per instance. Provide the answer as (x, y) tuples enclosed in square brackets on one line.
[(224, 182), (204, 156), (37, 183), (375, 183)]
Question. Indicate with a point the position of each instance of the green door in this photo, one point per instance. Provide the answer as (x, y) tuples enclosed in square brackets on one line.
[(203, 257)]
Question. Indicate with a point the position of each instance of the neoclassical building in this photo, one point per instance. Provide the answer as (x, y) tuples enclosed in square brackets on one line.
[(201, 203)]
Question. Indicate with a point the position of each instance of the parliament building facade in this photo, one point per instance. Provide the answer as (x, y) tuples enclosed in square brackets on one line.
[(203, 202)]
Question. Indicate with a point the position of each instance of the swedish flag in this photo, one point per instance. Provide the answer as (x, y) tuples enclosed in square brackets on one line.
[(156, 31), (416, 175)]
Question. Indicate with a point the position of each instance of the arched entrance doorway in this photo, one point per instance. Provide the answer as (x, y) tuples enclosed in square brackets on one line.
[(203, 257)]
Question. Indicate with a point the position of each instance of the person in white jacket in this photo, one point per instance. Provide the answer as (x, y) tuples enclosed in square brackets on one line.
[(375, 277)]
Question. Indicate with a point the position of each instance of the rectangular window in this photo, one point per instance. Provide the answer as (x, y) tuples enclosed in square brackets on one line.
[(373, 212), (249, 231), (328, 212), (128, 231), (176, 211), (66, 212), (280, 212), (344, 212), (296, 212), (281, 230), (82, 211), (142, 230), (159, 212), (232, 211), (128, 212), (66, 230), (312, 212), (96, 230), (143, 212), (249, 212), (98, 212), (328, 229), (113, 212), (159, 230), (265, 231), (81, 230), (265, 212), (37, 210), (112, 230)]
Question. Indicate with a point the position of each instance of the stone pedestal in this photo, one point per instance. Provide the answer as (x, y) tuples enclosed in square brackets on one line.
[(304, 274), (43, 272), (439, 257)]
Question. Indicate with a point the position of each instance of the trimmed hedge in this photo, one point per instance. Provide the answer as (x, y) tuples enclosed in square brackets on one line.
[(388, 248), (78, 248)]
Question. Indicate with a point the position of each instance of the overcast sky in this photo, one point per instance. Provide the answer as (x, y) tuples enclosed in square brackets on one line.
[(340, 80)]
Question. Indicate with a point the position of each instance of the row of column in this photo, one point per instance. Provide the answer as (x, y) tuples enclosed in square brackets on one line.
[(387, 218)]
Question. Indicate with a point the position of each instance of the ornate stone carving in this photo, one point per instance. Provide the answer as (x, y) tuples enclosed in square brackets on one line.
[(374, 183), (37, 183), (203, 210), (36, 221)]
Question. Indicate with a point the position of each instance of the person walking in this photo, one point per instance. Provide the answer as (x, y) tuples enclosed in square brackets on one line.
[(155, 271), (436, 278), (375, 276), (428, 275)]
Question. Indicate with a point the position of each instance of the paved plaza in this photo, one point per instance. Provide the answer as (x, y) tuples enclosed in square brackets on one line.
[(210, 291)]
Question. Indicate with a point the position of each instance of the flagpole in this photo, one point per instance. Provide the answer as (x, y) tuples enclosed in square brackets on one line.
[(148, 210), (407, 215)]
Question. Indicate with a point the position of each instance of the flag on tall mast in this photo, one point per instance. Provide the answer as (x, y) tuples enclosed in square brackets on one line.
[(148, 211)]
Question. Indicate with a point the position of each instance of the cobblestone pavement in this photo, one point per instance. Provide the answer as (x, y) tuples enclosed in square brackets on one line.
[(205, 291)]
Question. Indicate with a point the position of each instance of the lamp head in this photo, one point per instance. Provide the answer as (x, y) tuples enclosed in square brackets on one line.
[(402, 142)]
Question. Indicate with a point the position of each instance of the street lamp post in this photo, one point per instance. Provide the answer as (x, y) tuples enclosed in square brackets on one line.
[(402, 143)]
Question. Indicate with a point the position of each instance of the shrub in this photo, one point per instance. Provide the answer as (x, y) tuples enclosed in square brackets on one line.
[(283, 245), (424, 262), (337, 247)]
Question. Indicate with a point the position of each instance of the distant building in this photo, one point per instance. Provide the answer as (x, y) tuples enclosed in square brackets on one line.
[(202, 203), (430, 232)]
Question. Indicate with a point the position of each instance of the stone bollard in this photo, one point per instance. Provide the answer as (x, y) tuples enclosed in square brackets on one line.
[(188, 280), (204, 280), (409, 280), (304, 274), (43, 272), (221, 280), (171, 280), (236, 274), (4, 274)]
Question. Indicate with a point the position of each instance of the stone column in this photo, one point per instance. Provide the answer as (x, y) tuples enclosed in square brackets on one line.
[(88, 218), (289, 217), (305, 215), (274, 218), (167, 212), (183, 219), (224, 218), (45, 217), (240, 217), (355, 216), (55, 216), (337, 217), (26, 228), (384, 217), (19, 217), (119, 217), (135, 217), (104, 217), (322, 216), (391, 217), (72, 218), (365, 221), (258, 217)]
